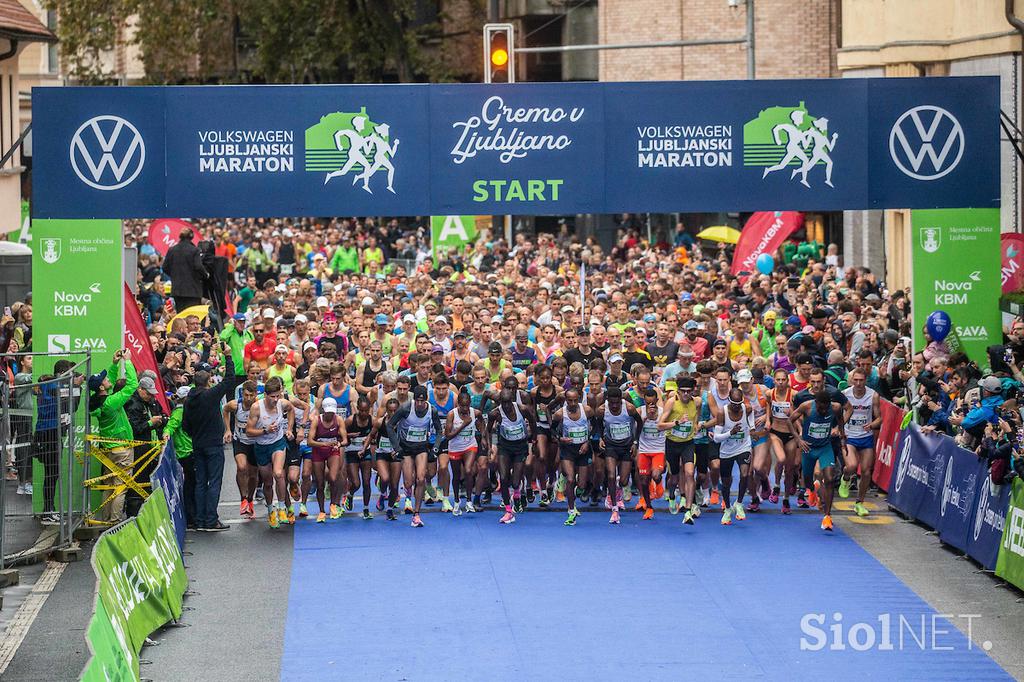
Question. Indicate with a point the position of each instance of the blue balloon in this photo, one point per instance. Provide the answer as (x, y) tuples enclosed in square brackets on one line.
[(939, 325), (765, 264)]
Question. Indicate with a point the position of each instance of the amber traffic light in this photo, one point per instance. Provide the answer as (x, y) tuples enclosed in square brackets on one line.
[(499, 62)]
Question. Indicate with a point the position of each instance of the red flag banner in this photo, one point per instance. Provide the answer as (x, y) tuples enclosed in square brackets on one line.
[(163, 234), (764, 233), (136, 340), (1012, 247), (885, 448)]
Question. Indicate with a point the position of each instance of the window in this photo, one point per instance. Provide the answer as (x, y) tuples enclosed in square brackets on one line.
[(52, 60)]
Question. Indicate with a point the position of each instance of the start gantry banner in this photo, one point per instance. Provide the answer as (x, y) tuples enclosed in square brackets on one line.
[(532, 148)]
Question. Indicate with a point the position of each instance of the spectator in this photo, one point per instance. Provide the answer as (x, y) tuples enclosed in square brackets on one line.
[(184, 266)]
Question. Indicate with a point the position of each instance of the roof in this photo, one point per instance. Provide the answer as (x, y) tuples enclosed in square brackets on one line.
[(17, 23)]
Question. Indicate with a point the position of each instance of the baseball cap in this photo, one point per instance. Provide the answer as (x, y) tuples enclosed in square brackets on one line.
[(650, 318), (769, 315), (793, 320), (319, 256), (306, 346), (182, 392), (615, 357), (322, 302), (148, 385), (409, 317), (460, 332), (238, 316), (690, 324), (330, 405), (381, 318), (567, 309), (686, 296), (808, 329), (495, 347), (268, 313), (441, 318), (301, 318), (582, 331), (719, 342), (991, 383), (437, 349), (96, 380), (744, 376), (712, 306), (288, 233), (746, 315), (281, 348), (366, 301)]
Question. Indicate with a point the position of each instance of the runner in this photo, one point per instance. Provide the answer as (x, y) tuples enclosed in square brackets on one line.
[(571, 423), (756, 398), (442, 399), (546, 396), (358, 455), (386, 461), (272, 423), (815, 423), (863, 417), (650, 455), (409, 429), (680, 452), (621, 425), (236, 417), (300, 464), (514, 427), (732, 431), (326, 439), (463, 426), (780, 437)]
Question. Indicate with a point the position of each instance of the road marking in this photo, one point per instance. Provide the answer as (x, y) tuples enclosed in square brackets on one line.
[(872, 520), (27, 612)]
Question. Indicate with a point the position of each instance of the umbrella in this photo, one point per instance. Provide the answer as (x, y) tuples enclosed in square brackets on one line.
[(720, 233)]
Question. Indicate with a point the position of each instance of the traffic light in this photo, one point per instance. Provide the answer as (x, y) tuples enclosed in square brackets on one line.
[(499, 57)]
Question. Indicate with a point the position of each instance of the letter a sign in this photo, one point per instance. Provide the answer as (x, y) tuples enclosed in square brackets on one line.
[(450, 232)]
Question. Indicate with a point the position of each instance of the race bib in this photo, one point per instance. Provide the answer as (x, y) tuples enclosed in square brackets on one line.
[(780, 410), (577, 434), (619, 432), (682, 430), (357, 442), (651, 430), (819, 430), (542, 413), (384, 444), (514, 432), (416, 435)]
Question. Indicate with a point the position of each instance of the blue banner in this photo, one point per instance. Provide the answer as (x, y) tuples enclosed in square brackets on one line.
[(169, 477), (915, 478), (532, 148), (961, 479), (986, 528)]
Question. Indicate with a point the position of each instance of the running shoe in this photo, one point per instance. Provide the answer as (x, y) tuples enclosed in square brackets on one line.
[(274, 523), (290, 516), (391, 515), (560, 496), (727, 517), (380, 503), (293, 490), (446, 504), (471, 507), (580, 492), (560, 484), (695, 511), (860, 509), (417, 522), (774, 497), (673, 506), (640, 505), (754, 506), (486, 497), (785, 506), (615, 517), (348, 502), (436, 497), (688, 518), (457, 508), (714, 497), (801, 500), (509, 517), (812, 498), (517, 504), (336, 511), (826, 523), (737, 510), (531, 494), (620, 503), (367, 514), (408, 506), (608, 502), (765, 489), (259, 495), (627, 494), (570, 520), (844, 487), (303, 512), (648, 514), (321, 517), (659, 491), (545, 499), (428, 494), (243, 507), (477, 502)]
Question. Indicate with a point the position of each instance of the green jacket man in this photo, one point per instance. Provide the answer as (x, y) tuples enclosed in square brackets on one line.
[(106, 406)]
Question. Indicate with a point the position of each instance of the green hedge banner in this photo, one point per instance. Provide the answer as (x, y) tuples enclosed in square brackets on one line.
[(157, 530), (1010, 564), (112, 660)]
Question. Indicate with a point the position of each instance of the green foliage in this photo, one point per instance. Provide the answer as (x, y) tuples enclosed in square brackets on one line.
[(278, 41)]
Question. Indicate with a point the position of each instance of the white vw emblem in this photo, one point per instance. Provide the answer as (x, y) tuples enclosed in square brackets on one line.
[(947, 487), (979, 518), (904, 463), (99, 137), (915, 136)]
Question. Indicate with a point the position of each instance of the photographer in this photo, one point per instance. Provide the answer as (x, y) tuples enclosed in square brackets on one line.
[(147, 419)]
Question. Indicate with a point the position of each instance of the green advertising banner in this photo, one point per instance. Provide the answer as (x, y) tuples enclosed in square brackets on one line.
[(157, 528), (451, 231), (76, 289), (111, 661), (956, 264), (1010, 564)]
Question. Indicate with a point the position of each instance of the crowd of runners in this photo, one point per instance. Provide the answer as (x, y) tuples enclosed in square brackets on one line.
[(365, 371)]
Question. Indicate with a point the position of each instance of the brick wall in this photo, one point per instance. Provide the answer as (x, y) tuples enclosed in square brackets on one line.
[(792, 39)]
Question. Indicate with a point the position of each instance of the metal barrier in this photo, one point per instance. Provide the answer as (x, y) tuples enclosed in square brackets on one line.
[(44, 425)]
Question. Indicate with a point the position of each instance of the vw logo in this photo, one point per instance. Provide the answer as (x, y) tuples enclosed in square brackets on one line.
[(928, 132), (947, 487), (904, 465), (107, 152), (979, 518)]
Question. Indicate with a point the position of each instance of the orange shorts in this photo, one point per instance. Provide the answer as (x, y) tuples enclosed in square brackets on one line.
[(646, 461), (457, 456)]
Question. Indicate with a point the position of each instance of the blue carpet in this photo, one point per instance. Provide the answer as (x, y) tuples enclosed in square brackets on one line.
[(467, 598)]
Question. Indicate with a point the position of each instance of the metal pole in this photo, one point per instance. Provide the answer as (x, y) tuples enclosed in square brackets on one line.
[(5, 430), (66, 469), (632, 46), (750, 40)]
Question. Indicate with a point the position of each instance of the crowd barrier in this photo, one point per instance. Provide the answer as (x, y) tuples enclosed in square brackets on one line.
[(933, 480), (140, 577)]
